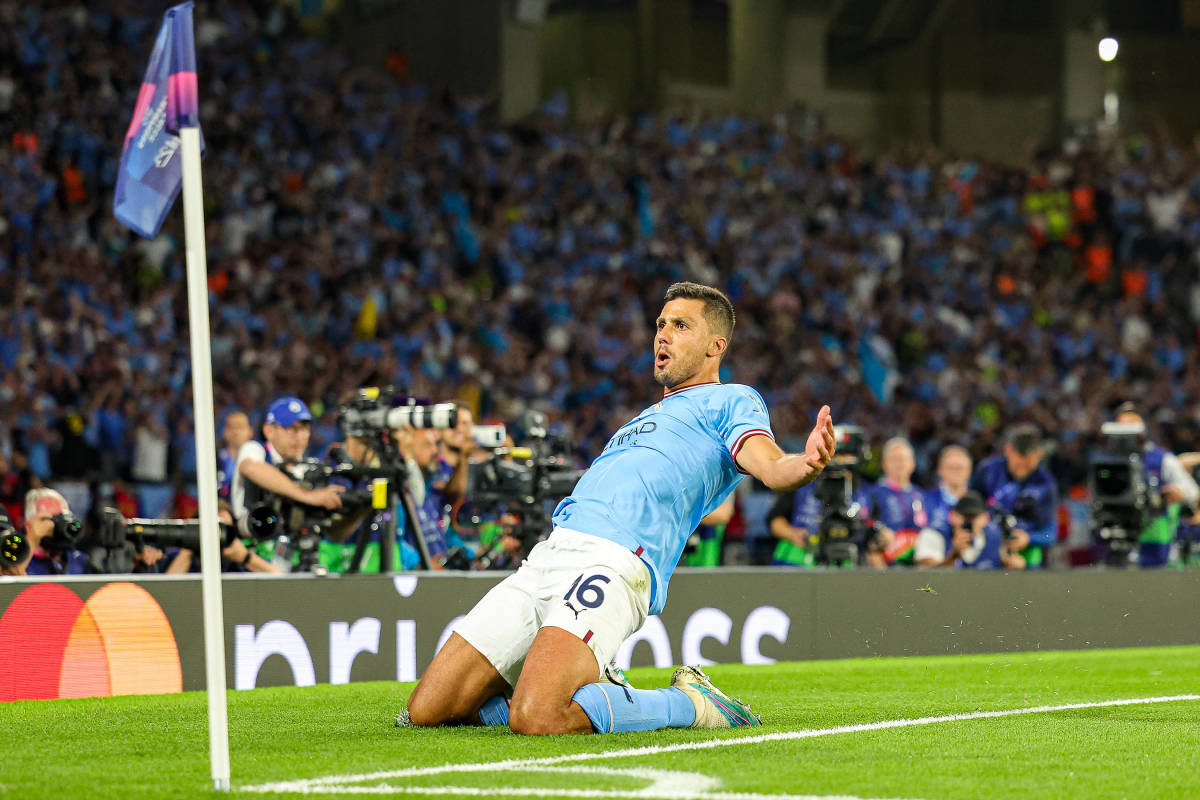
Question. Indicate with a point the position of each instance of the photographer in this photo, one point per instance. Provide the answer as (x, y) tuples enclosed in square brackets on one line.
[(52, 532), (1016, 485), (235, 557), (420, 449), (454, 458), (976, 542), (791, 520), (260, 469), (954, 472), (895, 505), (341, 547), (1177, 487)]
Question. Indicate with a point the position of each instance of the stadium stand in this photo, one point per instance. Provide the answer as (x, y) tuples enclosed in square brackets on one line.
[(365, 230)]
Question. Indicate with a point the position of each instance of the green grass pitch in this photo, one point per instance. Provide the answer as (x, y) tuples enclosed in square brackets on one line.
[(157, 747)]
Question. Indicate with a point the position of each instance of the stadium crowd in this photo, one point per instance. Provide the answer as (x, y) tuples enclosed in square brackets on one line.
[(366, 231)]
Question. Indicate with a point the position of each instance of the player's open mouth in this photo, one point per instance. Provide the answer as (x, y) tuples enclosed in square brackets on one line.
[(661, 359)]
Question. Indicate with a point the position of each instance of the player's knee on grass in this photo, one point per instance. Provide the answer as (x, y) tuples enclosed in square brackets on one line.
[(430, 712), (529, 717), (523, 718)]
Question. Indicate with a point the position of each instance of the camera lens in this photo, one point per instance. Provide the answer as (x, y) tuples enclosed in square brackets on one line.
[(14, 549)]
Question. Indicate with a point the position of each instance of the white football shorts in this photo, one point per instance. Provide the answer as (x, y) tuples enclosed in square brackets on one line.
[(588, 586)]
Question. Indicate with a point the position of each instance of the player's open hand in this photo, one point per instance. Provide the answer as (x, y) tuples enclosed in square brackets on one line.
[(822, 444)]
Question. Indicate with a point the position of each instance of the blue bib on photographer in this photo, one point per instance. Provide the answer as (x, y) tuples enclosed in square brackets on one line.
[(1154, 542), (663, 471)]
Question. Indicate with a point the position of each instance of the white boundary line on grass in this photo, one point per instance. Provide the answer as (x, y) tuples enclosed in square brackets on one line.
[(337, 783)]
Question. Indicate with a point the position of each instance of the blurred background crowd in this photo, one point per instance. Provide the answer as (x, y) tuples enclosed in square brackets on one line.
[(365, 230)]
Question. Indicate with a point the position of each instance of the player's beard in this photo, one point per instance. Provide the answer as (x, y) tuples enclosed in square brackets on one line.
[(679, 368)]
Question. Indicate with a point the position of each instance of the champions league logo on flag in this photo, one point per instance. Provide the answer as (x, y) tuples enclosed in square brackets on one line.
[(151, 170)]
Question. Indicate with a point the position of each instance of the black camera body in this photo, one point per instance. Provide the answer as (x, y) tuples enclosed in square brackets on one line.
[(297, 527), (66, 535), (1020, 517), (1125, 497), (524, 482), (841, 531)]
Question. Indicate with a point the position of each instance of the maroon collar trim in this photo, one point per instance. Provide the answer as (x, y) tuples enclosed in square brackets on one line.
[(693, 386)]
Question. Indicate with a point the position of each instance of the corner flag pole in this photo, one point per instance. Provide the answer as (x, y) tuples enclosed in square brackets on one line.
[(161, 151), (206, 456)]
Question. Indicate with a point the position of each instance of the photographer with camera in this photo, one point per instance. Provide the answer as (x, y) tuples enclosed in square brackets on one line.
[(1021, 494), (514, 490), (421, 452), (976, 541), (455, 446), (791, 520), (52, 534), (355, 545), (235, 555), (824, 523), (272, 468), (1170, 489), (895, 505), (935, 539)]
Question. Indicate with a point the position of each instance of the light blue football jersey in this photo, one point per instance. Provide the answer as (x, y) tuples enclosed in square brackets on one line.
[(663, 471)]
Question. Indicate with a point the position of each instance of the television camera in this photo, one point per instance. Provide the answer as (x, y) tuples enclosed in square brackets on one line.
[(842, 533), (1125, 497), (519, 487)]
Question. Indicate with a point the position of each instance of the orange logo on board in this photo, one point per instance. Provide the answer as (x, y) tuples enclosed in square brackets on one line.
[(52, 644)]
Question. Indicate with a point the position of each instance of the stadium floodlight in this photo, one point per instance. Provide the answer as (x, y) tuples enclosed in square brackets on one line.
[(1108, 48)]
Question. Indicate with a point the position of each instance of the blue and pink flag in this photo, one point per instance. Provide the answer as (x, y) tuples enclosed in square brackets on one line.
[(151, 170)]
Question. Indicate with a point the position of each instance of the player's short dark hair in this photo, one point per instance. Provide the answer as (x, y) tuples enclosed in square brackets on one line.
[(718, 311)]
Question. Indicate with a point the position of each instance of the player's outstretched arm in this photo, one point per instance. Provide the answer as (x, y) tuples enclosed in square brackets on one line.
[(785, 472)]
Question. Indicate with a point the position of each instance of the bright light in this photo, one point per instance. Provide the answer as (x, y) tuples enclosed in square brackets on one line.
[(1108, 48)]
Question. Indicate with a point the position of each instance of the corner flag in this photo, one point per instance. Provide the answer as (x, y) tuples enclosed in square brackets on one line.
[(151, 173), (161, 155)]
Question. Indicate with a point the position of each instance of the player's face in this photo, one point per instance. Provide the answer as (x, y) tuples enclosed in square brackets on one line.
[(681, 342)]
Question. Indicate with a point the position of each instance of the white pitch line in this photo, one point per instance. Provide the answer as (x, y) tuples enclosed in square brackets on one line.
[(307, 785), (603, 794)]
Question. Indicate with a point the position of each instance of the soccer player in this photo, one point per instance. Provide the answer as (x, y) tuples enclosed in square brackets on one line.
[(549, 630)]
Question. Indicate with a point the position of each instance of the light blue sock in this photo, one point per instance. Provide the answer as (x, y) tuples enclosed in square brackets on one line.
[(615, 709), (494, 711)]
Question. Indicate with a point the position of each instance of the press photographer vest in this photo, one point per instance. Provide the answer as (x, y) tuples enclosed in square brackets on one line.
[(1153, 462), (1154, 543)]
